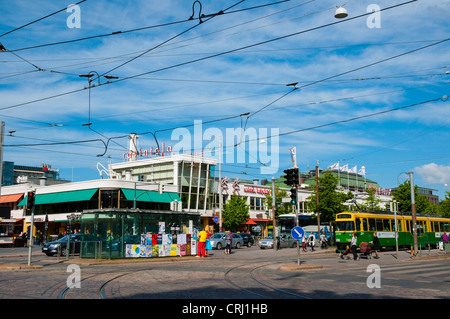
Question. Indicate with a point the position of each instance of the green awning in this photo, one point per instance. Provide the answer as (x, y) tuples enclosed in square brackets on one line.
[(150, 196), (62, 197)]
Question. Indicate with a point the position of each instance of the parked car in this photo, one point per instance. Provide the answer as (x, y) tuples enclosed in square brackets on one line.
[(218, 241), (52, 248), (286, 241), (249, 240)]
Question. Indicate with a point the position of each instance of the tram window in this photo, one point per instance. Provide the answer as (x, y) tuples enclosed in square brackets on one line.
[(345, 226), (386, 225), (408, 225), (445, 226), (399, 223), (365, 226), (379, 225), (358, 224), (372, 225), (420, 228), (425, 226), (436, 226)]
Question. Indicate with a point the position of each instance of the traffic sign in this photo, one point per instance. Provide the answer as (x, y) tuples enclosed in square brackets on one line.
[(216, 219), (297, 233)]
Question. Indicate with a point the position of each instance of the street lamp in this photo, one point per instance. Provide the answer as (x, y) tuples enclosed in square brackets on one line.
[(340, 13)]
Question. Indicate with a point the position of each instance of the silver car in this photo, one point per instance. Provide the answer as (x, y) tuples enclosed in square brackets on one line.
[(218, 241), (286, 241)]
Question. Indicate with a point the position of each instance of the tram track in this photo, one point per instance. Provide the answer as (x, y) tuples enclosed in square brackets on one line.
[(251, 277)]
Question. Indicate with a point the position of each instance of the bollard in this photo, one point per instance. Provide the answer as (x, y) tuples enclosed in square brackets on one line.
[(412, 251)]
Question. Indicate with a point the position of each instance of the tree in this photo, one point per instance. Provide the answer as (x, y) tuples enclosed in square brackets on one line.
[(371, 202), (235, 213), (444, 209), (282, 208), (331, 201), (403, 196)]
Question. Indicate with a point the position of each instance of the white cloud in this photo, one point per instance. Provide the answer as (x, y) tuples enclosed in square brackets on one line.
[(434, 174)]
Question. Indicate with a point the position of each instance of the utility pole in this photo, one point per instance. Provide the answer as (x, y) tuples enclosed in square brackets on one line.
[(317, 200), (220, 183), (413, 211), (274, 220), (2, 134)]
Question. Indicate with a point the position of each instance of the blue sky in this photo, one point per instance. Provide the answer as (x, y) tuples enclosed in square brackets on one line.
[(231, 64)]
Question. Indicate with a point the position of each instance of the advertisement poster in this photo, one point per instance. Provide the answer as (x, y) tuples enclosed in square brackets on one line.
[(133, 251), (162, 228), (146, 251), (162, 251), (154, 239), (182, 248), (173, 250), (155, 252)]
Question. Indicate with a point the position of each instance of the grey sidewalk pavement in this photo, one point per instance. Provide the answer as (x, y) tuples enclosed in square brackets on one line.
[(305, 262)]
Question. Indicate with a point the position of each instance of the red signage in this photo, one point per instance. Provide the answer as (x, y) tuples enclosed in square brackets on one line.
[(257, 190)]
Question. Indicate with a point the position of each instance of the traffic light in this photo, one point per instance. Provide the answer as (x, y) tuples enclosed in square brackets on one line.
[(294, 196), (291, 176), (30, 199)]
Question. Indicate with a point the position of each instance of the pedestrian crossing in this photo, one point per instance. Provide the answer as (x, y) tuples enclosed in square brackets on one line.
[(419, 272)]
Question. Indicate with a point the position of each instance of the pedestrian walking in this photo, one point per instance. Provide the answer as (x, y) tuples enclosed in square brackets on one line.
[(228, 243), (208, 243), (312, 241), (304, 243), (376, 247), (353, 246), (201, 243)]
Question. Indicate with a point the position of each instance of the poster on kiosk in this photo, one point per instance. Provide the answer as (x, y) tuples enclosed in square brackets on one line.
[(163, 245)]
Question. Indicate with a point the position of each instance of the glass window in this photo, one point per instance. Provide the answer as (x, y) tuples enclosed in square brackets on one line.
[(358, 224), (399, 222), (345, 226), (365, 226), (380, 225), (386, 225), (372, 226)]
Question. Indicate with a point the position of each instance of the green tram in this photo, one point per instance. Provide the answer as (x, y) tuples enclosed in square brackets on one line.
[(429, 229)]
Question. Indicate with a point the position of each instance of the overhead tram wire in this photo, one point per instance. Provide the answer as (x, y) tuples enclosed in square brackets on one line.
[(227, 52), (40, 19), (175, 36), (138, 29)]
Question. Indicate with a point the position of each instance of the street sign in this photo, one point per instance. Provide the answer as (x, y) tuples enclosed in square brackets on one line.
[(297, 233), (216, 219)]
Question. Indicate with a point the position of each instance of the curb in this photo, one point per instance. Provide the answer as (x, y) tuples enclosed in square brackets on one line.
[(18, 267), (296, 267)]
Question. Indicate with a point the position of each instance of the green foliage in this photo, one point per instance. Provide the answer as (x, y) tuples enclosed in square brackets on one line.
[(371, 202), (403, 197), (235, 212), (282, 208), (444, 209), (331, 201)]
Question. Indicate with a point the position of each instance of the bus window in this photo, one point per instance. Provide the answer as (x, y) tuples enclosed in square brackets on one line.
[(365, 226), (372, 224), (345, 226), (386, 225), (379, 225)]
